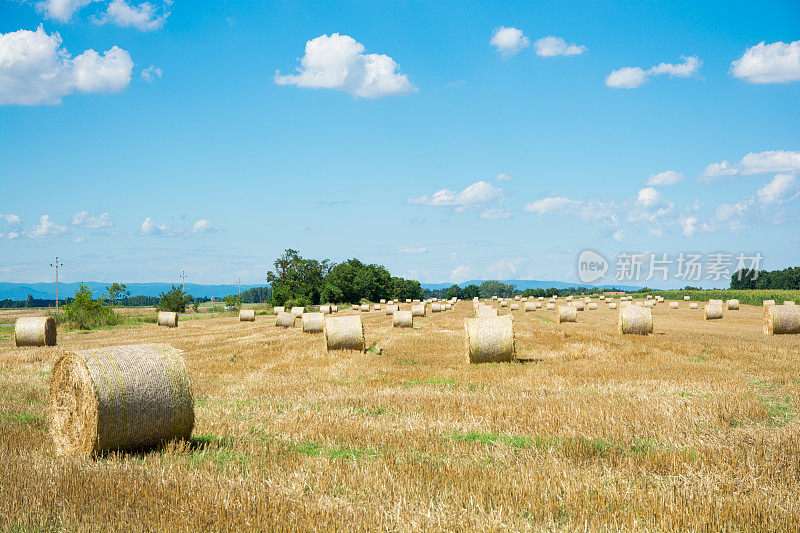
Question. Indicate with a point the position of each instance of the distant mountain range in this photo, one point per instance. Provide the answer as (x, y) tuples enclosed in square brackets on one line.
[(47, 291)]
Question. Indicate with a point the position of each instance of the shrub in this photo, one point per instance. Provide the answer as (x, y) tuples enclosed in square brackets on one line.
[(84, 312), (174, 300)]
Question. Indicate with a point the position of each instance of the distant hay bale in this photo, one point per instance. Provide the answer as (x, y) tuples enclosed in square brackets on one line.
[(448, 307), (612, 305), (517, 297), (578, 305), (298, 311), (485, 311), (768, 302), (279, 309), (408, 300), (530, 306), (538, 305), (514, 307), (390, 309), (436, 307), (383, 300), (377, 307), (344, 333), (692, 305), (635, 320), (687, 298), (313, 322), (592, 306), (247, 315), (715, 302), (364, 308), (713, 311), (550, 306), (494, 297), (649, 296), (490, 339), (540, 298), (418, 310), (402, 319), (602, 298), (120, 398), (782, 319), (503, 303), (285, 320), (673, 305), (732, 304), (325, 309), (35, 331), (334, 309), (168, 319), (649, 304), (567, 313)]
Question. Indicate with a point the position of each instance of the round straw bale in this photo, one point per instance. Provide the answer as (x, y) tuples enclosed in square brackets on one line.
[(334, 309), (35, 331), (364, 307), (713, 311), (692, 305), (490, 339), (541, 298), (503, 303), (313, 322), (376, 307), (768, 302), (612, 305), (687, 298), (567, 313), (517, 297), (402, 319), (673, 305), (530, 306), (781, 319), (448, 306), (514, 307), (247, 315), (715, 302), (635, 320), (649, 303), (344, 333), (325, 309), (732, 304), (602, 297), (578, 305), (285, 320), (279, 309), (390, 309), (120, 398), (298, 311), (383, 300), (494, 297), (486, 311), (168, 319), (550, 306), (592, 306), (418, 310), (436, 307), (649, 296)]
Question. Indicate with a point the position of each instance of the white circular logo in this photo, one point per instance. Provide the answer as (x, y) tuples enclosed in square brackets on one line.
[(591, 266)]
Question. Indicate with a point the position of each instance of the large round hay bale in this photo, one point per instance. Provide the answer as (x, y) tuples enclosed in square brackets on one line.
[(436, 307), (247, 315), (402, 319), (35, 331), (578, 305), (732, 304), (692, 305), (298, 311), (592, 306), (279, 309), (325, 309), (514, 307), (649, 304), (715, 302), (120, 398), (168, 319), (781, 319), (503, 303), (490, 339), (635, 320), (448, 306), (418, 310), (530, 306), (567, 313), (313, 322), (285, 320), (390, 309), (612, 305), (713, 311), (364, 308), (768, 302), (344, 333), (673, 305), (334, 309), (550, 306)]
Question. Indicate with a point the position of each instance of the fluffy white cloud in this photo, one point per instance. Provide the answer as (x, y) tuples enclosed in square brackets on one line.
[(11, 220), (505, 268), (768, 162), (632, 77), (689, 226), (35, 69), (339, 62), (556, 46), (782, 188), (13, 235), (618, 235), (495, 214), (662, 179), (649, 197), (477, 193), (61, 10), (203, 226), (461, 273), (144, 17), (83, 219), (503, 177), (508, 41), (151, 73), (78, 240), (46, 228), (554, 204), (412, 251), (769, 63)]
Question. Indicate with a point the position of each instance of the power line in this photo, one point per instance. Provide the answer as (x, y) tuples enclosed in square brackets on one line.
[(56, 264)]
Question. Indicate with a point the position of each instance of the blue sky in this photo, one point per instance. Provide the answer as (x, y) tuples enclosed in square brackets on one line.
[(208, 136)]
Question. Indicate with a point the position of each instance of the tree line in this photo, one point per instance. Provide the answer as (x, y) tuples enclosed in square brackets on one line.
[(786, 279)]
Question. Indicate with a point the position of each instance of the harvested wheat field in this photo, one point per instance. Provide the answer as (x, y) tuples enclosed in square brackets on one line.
[(691, 428)]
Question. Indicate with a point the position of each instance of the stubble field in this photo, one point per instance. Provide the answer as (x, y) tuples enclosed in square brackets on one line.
[(691, 428)]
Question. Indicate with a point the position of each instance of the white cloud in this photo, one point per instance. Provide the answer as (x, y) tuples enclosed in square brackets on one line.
[(144, 17), (203, 226), (477, 193), (556, 46), (632, 77), (768, 162), (554, 204), (13, 235), (619, 235), (78, 240), (649, 197), (338, 62), (151, 228), (662, 179), (689, 226), (61, 10), (461, 273), (495, 214), (769, 63), (47, 228), (508, 41), (83, 219), (412, 251), (505, 268), (35, 69), (782, 188), (503, 177), (151, 73), (11, 220)]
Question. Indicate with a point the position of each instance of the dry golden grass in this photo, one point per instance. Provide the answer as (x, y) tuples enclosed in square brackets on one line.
[(692, 428)]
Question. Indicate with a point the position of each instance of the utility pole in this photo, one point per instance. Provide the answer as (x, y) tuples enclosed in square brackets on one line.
[(239, 283), (183, 278), (56, 264)]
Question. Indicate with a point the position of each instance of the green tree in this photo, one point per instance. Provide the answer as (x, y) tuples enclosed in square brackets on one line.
[(174, 300), (453, 292), (233, 301), (84, 312), (117, 291), (296, 278)]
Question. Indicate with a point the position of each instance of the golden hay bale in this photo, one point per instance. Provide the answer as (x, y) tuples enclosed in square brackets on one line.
[(313, 322), (687, 298), (364, 308), (649, 296), (530, 306), (649, 304), (376, 307), (713, 311), (344, 333), (514, 307), (334, 309), (578, 305), (550, 306), (603, 298), (402, 319), (517, 297), (490, 339), (732, 304), (448, 306), (383, 300), (494, 297), (120, 398), (485, 311), (768, 302), (635, 320), (298, 311), (168, 319), (285, 320), (35, 331), (692, 305), (390, 309), (612, 305), (781, 319), (567, 313), (592, 306), (418, 310), (436, 307), (325, 309), (715, 302), (279, 309), (247, 315), (673, 305), (408, 300), (503, 303)]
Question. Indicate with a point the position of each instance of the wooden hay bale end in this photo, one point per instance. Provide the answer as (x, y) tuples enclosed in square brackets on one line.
[(713, 311), (247, 315), (285, 320), (567, 313), (530, 306), (692, 305), (120, 398), (490, 339), (344, 333), (313, 322), (168, 319), (781, 319), (673, 305), (402, 319), (732, 304), (635, 320), (418, 310), (35, 331), (298, 311)]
